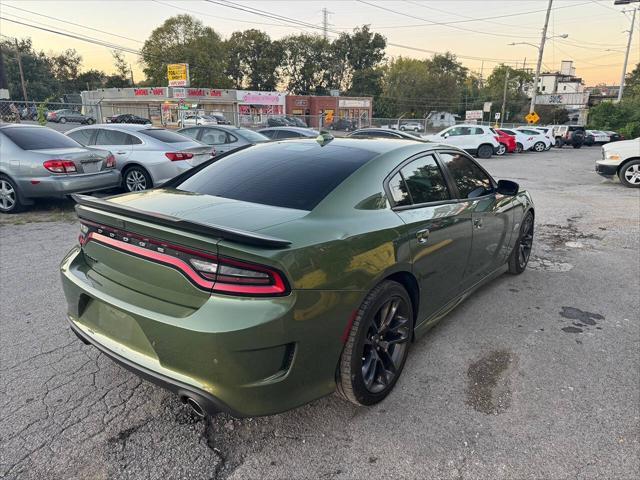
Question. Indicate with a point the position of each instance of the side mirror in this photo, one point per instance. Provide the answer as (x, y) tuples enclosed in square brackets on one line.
[(507, 187), (446, 135)]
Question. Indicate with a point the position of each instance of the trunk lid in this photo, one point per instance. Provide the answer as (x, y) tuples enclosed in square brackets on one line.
[(148, 241), (201, 153), (86, 160)]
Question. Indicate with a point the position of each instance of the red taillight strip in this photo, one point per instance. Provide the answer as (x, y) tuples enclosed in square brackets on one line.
[(183, 267)]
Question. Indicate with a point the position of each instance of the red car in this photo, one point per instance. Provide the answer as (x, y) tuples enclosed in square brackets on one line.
[(507, 142)]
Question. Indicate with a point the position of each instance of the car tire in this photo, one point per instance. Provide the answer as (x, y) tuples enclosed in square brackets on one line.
[(519, 148), (521, 253), (629, 174), (559, 142), (402, 128), (9, 197), (62, 120), (539, 147), (377, 346), (501, 150), (136, 179), (485, 151), (577, 145)]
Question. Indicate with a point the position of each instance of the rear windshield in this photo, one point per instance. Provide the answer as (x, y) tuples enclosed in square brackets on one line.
[(290, 175), (165, 135), (252, 136), (35, 138)]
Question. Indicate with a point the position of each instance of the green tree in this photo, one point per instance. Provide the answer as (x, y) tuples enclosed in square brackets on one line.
[(253, 60), (66, 68), (552, 114), (632, 83), (404, 84), (91, 79), (39, 78), (305, 63), (365, 55), (517, 102), (184, 39), (415, 87)]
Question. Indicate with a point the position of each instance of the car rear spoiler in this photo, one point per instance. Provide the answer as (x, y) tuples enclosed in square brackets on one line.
[(215, 231)]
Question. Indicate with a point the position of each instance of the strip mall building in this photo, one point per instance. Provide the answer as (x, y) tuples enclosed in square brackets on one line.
[(163, 105)]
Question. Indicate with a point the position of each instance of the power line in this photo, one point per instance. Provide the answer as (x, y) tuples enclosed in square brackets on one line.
[(480, 32), (259, 12), (72, 23), (83, 38)]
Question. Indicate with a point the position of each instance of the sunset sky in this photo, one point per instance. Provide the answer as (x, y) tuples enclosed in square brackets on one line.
[(470, 28)]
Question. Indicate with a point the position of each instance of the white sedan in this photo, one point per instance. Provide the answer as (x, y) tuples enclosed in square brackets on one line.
[(524, 141), (540, 140)]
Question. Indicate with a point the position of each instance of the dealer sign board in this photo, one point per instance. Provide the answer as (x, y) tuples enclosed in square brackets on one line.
[(178, 74)]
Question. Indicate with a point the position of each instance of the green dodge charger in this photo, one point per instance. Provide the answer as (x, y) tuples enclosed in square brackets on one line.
[(279, 273)]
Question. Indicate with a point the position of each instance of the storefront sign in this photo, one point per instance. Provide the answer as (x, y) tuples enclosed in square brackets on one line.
[(473, 115), (352, 103), (301, 103), (150, 92), (178, 74), (260, 98)]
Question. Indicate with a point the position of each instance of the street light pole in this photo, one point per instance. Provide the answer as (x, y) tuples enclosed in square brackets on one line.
[(626, 55), (540, 53)]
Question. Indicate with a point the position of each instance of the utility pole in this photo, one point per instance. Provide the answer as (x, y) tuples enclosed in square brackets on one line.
[(24, 87), (131, 71), (325, 23), (626, 55), (540, 53), (504, 97)]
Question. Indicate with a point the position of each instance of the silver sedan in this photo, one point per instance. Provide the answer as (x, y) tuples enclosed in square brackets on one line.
[(147, 156), (224, 138), (38, 162)]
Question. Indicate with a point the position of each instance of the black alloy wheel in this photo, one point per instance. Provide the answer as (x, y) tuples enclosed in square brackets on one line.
[(521, 253), (377, 346)]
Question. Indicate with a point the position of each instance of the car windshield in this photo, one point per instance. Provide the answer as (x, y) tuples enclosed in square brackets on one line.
[(38, 138), (292, 175), (250, 135), (164, 135)]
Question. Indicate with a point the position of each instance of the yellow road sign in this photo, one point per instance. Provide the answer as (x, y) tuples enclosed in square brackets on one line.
[(533, 117)]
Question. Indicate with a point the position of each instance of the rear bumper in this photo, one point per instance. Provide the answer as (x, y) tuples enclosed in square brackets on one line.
[(241, 355), (57, 186), (209, 403)]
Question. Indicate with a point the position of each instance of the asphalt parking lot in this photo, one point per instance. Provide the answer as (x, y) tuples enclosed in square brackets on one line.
[(535, 376)]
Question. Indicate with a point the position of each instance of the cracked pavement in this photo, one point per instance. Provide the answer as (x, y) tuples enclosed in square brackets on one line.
[(534, 376)]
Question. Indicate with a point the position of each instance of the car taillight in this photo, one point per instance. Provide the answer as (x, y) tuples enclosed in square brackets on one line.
[(206, 271), (176, 156), (60, 166), (111, 161), (239, 278)]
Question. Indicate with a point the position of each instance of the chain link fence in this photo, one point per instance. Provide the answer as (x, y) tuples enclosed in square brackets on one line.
[(172, 115)]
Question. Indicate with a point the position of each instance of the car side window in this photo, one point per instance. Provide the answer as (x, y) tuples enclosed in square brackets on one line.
[(111, 137), (399, 191), (132, 140), (425, 181), (478, 131), (212, 136), (190, 132), (231, 138), (468, 177), (83, 137)]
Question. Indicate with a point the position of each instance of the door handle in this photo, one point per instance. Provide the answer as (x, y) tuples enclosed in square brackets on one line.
[(423, 236), (121, 153)]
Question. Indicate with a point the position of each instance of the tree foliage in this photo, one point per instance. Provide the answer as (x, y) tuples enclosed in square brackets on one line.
[(305, 62), (184, 39), (252, 60), (516, 101), (623, 116)]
